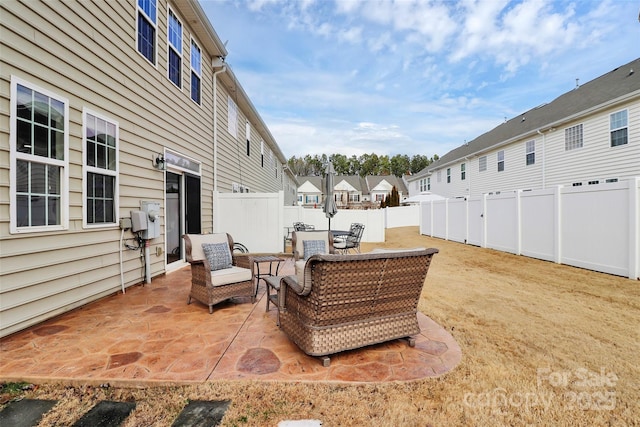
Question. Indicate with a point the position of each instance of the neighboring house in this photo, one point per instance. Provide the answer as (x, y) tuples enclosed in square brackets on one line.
[(381, 186), (310, 191), (350, 191), (107, 108), (588, 136)]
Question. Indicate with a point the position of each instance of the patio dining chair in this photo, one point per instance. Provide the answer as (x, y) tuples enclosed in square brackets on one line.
[(352, 241)]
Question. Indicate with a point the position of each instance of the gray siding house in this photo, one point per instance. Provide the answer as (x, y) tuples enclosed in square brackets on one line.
[(587, 136), (106, 108)]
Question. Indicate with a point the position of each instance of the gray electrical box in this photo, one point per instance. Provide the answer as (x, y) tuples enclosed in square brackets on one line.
[(152, 211), (138, 221)]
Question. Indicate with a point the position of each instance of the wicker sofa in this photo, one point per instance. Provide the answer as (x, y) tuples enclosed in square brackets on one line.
[(350, 301)]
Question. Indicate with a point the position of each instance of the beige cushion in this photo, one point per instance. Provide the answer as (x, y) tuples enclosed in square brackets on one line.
[(301, 236), (300, 270), (198, 239), (230, 275)]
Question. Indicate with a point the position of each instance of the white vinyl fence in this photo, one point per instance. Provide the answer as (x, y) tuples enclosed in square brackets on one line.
[(260, 221), (596, 227)]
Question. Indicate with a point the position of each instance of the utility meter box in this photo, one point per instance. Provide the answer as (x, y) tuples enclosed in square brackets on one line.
[(152, 209)]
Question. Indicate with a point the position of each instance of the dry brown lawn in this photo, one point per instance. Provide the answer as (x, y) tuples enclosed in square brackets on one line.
[(542, 344)]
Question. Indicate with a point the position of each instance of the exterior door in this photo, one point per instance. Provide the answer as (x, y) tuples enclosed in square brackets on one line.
[(182, 195)]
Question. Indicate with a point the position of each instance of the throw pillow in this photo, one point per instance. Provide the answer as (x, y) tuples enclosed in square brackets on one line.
[(312, 247), (218, 255)]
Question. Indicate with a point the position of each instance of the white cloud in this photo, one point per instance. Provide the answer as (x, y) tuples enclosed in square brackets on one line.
[(412, 76)]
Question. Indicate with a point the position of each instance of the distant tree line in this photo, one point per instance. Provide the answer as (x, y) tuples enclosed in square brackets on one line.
[(366, 164)]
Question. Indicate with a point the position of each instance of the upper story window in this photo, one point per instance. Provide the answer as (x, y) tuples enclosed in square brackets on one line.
[(618, 128), (448, 175), (174, 59), (262, 153), (500, 160), (428, 184), (248, 133), (39, 169), (100, 170), (573, 138), (530, 152), (232, 117), (482, 164), (463, 171), (196, 71), (423, 184), (147, 22)]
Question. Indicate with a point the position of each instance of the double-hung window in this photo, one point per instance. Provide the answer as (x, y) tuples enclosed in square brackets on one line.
[(248, 134), (196, 71), (618, 128), (500, 160), (448, 175), (530, 152), (100, 169), (39, 169), (463, 171), (147, 23), (174, 59)]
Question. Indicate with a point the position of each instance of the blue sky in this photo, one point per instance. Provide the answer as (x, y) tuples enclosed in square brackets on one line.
[(413, 77)]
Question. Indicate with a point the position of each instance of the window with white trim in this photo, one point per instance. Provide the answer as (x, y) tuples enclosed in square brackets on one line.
[(423, 184), (618, 128), (448, 175), (500, 160), (232, 117), (174, 58), (196, 72), (482, 164), (100, 167), (39, 165), (573, 137), (530, 152), (248, 134), (463, 171), (429, 184), (354, 197), (262, 153), (146, 29), (311, 199)]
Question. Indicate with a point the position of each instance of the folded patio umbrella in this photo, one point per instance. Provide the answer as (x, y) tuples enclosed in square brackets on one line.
[(329, 208)]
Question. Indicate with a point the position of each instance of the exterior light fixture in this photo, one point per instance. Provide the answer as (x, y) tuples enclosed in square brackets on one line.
[(159, 162)]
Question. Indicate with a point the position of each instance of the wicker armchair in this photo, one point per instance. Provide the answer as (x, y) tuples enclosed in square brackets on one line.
[(351, 301), (211, 287)]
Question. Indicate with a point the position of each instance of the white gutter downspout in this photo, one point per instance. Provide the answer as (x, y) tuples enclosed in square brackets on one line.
[(216, 63), (544, 162)]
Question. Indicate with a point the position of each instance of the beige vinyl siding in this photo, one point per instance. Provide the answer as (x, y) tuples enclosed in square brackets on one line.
[(86, 52), (234, 166)]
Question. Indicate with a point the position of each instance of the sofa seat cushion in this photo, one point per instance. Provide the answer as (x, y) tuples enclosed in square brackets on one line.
[(230, 275)]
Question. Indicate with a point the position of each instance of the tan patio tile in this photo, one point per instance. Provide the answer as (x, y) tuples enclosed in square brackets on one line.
[(152, 334)]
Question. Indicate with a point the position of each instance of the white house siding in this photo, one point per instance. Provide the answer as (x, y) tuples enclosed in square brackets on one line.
[(86, 52), (595, 161)]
